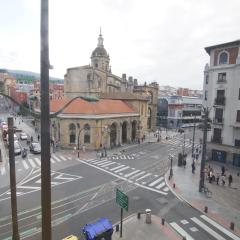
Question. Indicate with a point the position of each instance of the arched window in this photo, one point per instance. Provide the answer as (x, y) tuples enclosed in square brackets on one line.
[(223, 58), (87, 133), (72, 133)]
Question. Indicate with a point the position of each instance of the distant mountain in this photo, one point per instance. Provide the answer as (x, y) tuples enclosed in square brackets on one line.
[(21, 75)]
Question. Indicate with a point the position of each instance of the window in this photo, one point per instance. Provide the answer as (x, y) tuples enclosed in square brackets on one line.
[(238, 116), (223, 58), (87, 138), (72, 133), (222, 77), (206, 79), (205, 95), (237, 143)]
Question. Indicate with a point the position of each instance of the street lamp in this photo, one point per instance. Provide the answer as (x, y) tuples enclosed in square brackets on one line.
[(170, 157), (193, 138), (78, 148)]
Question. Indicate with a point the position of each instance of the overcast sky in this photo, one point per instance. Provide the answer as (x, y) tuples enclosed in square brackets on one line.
[(151, 40)]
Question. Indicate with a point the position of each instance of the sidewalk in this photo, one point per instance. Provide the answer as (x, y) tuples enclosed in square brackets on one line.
[(138, 229), (223, 205)]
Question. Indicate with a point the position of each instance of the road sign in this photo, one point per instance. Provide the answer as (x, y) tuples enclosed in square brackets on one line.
[(122, 199)]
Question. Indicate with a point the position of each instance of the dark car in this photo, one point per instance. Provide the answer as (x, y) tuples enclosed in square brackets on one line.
[(35, 147), (181, 130)]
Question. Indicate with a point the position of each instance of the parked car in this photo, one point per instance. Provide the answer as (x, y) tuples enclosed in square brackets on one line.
[(35, 147), (17, 148), (23, 136)]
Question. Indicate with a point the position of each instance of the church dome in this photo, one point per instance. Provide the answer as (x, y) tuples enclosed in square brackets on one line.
[(99, 51)]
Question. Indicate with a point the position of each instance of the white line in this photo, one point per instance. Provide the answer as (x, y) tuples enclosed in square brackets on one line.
[(132, 173), (219, 227), (108, 164), (138, 174), (56, 158), (155, 182), (207, 229), (115, 168), (95, 161), (181, 231), (146, 175), (38, 161), (52, 161), (3, 170), (63, 158), (122, 169), (103, 162), (25, 164), (160, 185), (32, 163)]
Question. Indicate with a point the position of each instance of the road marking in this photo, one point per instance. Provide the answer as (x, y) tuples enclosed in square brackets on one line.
[(103, 162), (138, 174), (56, 158), (181, 231), (115, 168), (95, 161), (25, 164), (122, 169), (166, 189), (207, 229), (32, 163), (219, 227), (155, 182), (38, 161), (160, 185), (108, 164), (63, 158), (52, 161), (132, 173), (3, 170), (146, 175)]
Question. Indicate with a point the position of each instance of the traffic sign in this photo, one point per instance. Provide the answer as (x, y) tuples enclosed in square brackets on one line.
[(122, 199)]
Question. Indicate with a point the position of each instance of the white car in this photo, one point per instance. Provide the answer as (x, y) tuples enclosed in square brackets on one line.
[(17, 148), (23, 136)]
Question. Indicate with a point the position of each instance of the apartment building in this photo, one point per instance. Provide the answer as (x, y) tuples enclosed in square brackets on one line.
[(221, 90)]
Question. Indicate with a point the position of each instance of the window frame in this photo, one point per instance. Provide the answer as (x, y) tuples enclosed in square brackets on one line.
[(219, 57)]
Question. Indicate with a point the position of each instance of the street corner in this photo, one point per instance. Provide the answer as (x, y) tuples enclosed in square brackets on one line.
[(173, 186)]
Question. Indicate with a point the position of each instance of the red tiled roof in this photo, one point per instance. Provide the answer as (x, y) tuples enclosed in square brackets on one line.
[(80, 106)]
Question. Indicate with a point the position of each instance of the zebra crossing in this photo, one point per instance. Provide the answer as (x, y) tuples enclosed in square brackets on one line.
[(32, 161), (141, 178), (195, 227)]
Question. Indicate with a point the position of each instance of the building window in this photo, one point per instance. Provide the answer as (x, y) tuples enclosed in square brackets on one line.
[(237, 143), (87, 138), (206, 79), (238, 116), (205, 95), (222, 77), (72, 133), (223, 58)]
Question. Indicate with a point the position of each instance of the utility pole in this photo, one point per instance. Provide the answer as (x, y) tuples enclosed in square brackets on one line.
[(45, 127), (184, 145), (204, 148), (15, 232), (193, 138)]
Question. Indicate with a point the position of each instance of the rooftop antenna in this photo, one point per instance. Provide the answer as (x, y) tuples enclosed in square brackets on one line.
[(100, 32)]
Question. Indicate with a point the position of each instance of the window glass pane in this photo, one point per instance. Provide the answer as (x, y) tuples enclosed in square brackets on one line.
[(223, 58)]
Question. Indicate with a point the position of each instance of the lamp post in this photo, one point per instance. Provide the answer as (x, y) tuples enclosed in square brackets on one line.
[(78, 148), (171, 162), (193, 138)]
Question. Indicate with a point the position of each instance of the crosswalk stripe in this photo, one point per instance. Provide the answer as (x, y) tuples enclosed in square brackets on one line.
[(160, 185), (108, 164), (138, 174), (3, 170), (219, 227), (38, 161), (52, 161), (95, 161), (32, 163), (103, 162), (132, 173), (25, 164), (181, 231), (122, 169), (63, 158), (155, 182), (56, 158), (146, 175), (207, 229), (115, 168)]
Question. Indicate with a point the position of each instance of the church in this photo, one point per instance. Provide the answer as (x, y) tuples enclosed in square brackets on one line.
[(104, 110)]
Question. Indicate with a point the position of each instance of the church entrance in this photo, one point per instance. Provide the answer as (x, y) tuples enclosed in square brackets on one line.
[(134, 130), (124, 132), (113, 135)]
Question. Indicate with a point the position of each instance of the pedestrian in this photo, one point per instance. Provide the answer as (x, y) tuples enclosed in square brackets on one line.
[(210, 176), (31, 139), (184, 162), (223, 180), (193, 167), (196, 150), (230, 180), (38, 137), (223, 170), (217, 179)]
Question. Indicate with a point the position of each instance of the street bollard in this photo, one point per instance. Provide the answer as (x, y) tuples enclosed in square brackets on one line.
[(117, 228), (232, 225), (174, 185), (148, 216), (138, 215), (206, 209), (163, 221)]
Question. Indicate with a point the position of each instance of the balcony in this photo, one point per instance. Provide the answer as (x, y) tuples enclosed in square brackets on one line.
[(216, 139), (220, 101), (218, 121)]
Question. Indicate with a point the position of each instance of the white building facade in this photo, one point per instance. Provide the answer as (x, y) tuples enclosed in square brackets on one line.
[(221, 94)]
